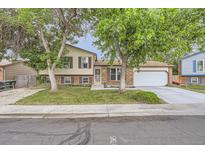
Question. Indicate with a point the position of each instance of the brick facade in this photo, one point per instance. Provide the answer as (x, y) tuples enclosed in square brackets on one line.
[(75, 79), (170, 75), (186, 80), (106, 77)]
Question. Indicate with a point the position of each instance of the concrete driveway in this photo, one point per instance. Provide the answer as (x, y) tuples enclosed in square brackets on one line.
[(176, 95), (13, 95)]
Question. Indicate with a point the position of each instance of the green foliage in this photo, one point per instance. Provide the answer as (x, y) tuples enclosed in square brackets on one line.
[(142, 34), (146, 97), (34, 59)]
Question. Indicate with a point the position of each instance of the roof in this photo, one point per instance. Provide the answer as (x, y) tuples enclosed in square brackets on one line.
[(193, 54), (147, 64), (105, 63), (155, 64), (82, 49), (5, 63)]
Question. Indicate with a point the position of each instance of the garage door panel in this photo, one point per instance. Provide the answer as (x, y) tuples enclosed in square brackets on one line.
[(150, 78)]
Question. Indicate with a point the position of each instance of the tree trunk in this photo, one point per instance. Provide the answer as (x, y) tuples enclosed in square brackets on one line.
[(52, 79), (123, 75)]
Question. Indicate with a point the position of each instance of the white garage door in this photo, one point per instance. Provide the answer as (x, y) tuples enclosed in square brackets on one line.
[(150, 78)]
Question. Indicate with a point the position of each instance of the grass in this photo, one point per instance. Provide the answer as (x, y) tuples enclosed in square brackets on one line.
[(146, 97), (81, 95), (196, 88)]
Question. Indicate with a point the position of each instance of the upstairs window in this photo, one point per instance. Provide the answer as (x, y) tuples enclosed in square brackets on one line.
[(67, 62), (84, 62), (200, 66)]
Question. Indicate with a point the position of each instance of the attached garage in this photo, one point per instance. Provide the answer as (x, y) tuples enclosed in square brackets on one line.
[(150, 78), (153, 73)]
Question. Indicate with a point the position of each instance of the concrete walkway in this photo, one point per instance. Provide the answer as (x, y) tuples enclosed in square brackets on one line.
[(11, 96), (84, 111)]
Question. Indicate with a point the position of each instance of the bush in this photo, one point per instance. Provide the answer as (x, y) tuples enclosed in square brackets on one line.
[(146, 97)]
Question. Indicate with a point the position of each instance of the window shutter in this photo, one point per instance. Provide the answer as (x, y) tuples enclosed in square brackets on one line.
[(108, 74), (71, 62), (79, 62), (194, 66), (89, 62), (80, 80), (90, 80), (72, 79), (189, 80), (199, 80), (62, 79)]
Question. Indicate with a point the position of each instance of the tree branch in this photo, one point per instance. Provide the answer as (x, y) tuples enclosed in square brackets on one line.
[(45, 44)]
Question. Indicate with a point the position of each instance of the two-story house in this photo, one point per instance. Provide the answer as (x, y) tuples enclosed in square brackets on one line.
[(192, 69), (77, 68), (81, 67)]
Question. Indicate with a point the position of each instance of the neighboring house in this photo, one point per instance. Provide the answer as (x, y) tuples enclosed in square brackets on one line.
[(192, 69), (17, 70), (81, 67)]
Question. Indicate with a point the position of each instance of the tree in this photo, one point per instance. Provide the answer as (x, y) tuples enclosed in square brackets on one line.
[(136, 35), (46, 32), (12, 34)]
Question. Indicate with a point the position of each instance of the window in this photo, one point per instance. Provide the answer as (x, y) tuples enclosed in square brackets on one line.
[(85, 80), (84, 62), (200, 66), (67, 62), (67, 80), (115, 73), (194, 80), (47, 80)]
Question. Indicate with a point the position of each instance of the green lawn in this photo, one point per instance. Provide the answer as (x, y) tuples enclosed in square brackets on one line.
[(196, 88), (83, 95)]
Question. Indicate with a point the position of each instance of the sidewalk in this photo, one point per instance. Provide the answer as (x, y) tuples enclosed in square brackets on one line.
[(109, 110)]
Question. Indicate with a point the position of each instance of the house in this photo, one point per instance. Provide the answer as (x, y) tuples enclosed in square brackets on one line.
[(152, 73), (78, 65), (192, 69), (81, 67), (19, 71)]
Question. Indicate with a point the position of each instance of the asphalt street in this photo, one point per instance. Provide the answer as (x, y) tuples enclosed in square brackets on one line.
[(124, 130)]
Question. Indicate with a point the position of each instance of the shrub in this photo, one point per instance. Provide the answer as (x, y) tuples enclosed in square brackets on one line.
[(146, 97)]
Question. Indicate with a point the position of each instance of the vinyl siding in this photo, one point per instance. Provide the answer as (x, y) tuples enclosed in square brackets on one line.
[(18, 69), (75, 53), (187, 65)]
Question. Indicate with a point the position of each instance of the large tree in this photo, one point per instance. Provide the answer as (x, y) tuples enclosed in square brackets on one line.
[(46, 33), (136, 35)]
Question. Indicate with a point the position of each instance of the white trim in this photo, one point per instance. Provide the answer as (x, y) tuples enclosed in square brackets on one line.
[(115, 74), (196, 78), (67, 77), (83, 78)]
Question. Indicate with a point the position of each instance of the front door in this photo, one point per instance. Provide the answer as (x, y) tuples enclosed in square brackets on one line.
[(97, 76)]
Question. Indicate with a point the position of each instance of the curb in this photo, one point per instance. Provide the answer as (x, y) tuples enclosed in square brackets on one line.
[(90, 115)]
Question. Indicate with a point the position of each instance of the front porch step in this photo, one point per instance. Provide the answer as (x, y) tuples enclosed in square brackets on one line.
[(97, 86)]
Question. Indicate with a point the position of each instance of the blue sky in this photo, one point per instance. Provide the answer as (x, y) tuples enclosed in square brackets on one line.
[(86, 43)]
